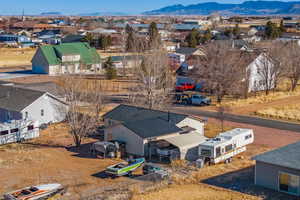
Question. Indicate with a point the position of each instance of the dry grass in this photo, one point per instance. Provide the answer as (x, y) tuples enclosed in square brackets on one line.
[(211, 130), (288, 112), (10, 57), (194, 192), (260, 99)]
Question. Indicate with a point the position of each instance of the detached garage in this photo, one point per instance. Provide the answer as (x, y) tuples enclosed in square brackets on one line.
[(279, 169)]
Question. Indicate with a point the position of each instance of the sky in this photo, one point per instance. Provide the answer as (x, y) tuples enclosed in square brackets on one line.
[(15, 7)]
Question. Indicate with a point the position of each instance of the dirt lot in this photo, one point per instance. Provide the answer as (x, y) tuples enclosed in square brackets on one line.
[(51, 158), (12, 57)]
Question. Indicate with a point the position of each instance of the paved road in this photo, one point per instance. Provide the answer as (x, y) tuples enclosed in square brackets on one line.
[(240, 119)]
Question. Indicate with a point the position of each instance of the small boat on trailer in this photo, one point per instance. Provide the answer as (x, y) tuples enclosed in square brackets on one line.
[(40, 192), (124, 168)]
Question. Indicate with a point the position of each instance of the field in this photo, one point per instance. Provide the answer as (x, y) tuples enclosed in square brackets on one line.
[(285, 112), (12, 57)]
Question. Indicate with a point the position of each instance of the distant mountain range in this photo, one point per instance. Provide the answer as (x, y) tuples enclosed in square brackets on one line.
[(246, 8), (104, 14), (51, 14)]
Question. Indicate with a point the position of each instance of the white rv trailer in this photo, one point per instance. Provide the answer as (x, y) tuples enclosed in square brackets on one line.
[(226, 145), (18, 131)]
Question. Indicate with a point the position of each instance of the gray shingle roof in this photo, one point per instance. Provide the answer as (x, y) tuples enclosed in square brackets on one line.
[(49, 87), (150, 128), (186, 50), (127, 113), (16, 99), (287, 156)]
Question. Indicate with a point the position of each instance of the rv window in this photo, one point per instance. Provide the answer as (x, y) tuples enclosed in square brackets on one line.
[(228, 148), (31, 127), (4, 132), (205, 152), (248, 137), (14, 130)]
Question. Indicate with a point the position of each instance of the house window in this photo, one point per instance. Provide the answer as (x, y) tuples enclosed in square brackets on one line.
[(289, 183), (4, 132), (42, 112), (26, 115), (30, 127), (258, 70), (14, 130)]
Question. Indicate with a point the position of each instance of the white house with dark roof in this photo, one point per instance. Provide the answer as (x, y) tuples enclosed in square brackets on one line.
[(151, 132), (279, 169), (20, 103)]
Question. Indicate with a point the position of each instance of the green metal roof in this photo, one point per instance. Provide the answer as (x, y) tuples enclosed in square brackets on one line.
[(50, 55), (88, 55)]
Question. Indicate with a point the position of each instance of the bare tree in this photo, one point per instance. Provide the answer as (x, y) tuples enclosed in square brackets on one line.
[(222, 109), (155, 81), (291, 62), (266, 73), (277, 57), (220, 69), (84, 106)]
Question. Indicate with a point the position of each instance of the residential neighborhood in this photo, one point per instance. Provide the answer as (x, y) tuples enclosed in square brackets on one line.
[(196, 100)]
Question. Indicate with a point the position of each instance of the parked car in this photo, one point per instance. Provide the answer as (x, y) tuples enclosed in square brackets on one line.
[(185, 87), (195, 99)]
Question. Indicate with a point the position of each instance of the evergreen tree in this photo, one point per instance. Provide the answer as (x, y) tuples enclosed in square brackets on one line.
[(281, 27), (192, 38), (154, 36), (236, 30), (130, 41), (110, 70), (89, 38), (206, 37), (108, 63), (105, 41), (272, 31)]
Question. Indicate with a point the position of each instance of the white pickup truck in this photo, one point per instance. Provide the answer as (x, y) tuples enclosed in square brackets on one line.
[(201, 100), (195, 99)]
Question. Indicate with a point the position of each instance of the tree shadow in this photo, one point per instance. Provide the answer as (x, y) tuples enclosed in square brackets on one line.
[(243, 181)]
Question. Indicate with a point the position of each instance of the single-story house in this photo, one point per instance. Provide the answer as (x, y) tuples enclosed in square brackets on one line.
[(279, 169), (20, 103), (153, 133), (65, 58)]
